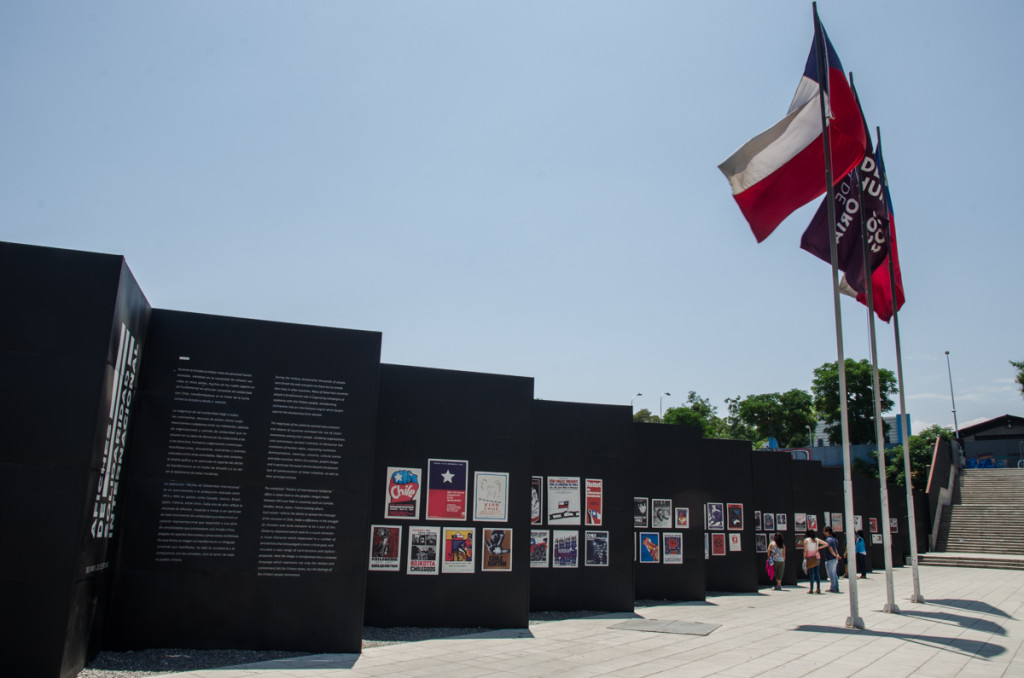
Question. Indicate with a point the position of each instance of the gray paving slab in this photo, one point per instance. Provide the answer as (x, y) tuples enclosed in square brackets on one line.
[(971, 627)]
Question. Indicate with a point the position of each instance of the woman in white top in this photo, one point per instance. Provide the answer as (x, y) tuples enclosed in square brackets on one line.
[(811, 544)]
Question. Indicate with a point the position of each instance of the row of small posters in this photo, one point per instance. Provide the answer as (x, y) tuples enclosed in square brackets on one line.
[(561, 548), (661, 514), (563, 501), (658, 547), (802, 522), (447, 492), (436, 549)]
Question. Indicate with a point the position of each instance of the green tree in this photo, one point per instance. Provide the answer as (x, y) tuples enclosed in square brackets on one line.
[(783, 416), (734, 426), (1020, 375), (697, 412), (859, 398), (644, 416), (921, 447)]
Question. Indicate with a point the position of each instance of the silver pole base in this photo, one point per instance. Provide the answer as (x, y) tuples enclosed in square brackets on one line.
[(891, 609), (915, 598), (854, 623)]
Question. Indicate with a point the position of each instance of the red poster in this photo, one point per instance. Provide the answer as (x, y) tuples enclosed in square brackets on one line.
[(446, 489), (595, 501)]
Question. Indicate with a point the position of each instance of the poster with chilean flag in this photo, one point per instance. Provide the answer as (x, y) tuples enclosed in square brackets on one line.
[(783, 168), (403, 494), (447, 489)]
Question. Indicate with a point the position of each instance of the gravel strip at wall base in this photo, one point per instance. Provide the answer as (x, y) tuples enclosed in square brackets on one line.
[(158, 661)]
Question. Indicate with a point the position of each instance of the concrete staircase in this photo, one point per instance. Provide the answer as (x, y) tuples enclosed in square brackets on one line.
[(982, 527)]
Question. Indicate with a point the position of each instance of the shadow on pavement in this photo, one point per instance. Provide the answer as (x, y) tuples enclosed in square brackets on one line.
[(972, 605), (968, 648)]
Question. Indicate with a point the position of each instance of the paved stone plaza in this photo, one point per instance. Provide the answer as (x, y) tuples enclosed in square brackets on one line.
[(970, 626)]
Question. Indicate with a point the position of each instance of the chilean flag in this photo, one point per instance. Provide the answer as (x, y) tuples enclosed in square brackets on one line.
[(783, 168)]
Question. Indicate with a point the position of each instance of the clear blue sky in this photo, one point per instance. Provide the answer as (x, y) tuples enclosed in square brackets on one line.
[(524, 188)]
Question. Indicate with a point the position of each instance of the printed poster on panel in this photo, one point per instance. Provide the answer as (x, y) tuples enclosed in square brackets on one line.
[(800, 523), (873, 522), (858, 522), (757, 520), (459, 550), (876, 538), (768, 521), (812, 522), (537, 500), (781, 522), (596, 548), (837, 522), (672, 547), (385, 547), (595, 501), (718, 544), (714, 516), (760, 543), (563, 500), (423, 549), (566, 549), (735, 512), (639, 511), (490, 500), (540, 547), (682, 518), (650, 547), (661, 513), (403, 496), (447, 483), (894, 525), (734, 542), (497, 553)]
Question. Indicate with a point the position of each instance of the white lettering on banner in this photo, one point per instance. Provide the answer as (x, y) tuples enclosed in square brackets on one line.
[(125, 371)]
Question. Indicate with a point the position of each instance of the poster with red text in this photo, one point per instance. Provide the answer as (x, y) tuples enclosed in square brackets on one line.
[(385, 547), (403, 496), (594, 501), (446, 489)]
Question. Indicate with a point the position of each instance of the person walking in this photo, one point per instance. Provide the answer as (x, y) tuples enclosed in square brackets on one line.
[(830, 554), (861, 551), (812, 545), (777, 554)]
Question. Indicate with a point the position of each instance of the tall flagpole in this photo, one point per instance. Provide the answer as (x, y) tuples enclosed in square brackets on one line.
[(890, 605), (904, 423), (854, 620)]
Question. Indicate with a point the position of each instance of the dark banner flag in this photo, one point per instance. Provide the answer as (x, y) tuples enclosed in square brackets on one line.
[(849, 203)]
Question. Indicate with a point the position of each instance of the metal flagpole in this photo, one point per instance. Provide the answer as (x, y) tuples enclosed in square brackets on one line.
[(904, 423), (854, 620), (890, 605)]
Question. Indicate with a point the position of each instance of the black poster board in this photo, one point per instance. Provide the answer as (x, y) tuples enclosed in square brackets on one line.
[(73, 328), (248, 490), (773, 494), (807, 500), (728, 481), (901, 534), (595, 444), (478, 429), (668, 467), (867, 505)]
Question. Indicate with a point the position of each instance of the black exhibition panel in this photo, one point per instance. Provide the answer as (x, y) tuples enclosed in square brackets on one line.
[(922, 513), (668, 476), (808, 503), (900, 525), (834, 508), (728, 483), (247, 495), (867, 506), (773, 496), (70, 342), (587, 451), (449, 543)]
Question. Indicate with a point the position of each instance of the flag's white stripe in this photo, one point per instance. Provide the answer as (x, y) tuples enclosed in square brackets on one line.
[(768, 151)]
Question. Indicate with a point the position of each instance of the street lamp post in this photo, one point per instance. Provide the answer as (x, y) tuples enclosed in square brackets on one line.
[(661, 408), (633, 399), (956, 428)]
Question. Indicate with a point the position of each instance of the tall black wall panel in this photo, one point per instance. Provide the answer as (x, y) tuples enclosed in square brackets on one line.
[(72, 333), (901, 530), (809, 501), (247, 497), (593, 443), (483, 423), (867, 505), (773, 494), (668, 467), (728, 480)]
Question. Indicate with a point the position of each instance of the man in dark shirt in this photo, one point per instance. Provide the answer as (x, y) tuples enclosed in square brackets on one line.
[(831, 557)]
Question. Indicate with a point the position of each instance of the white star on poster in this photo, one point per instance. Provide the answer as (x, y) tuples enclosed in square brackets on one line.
[(448, 475)]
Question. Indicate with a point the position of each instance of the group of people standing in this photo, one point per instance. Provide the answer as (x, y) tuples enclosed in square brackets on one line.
[(815, 549)]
